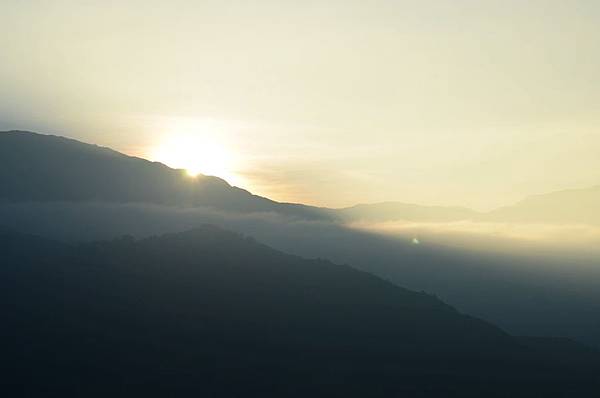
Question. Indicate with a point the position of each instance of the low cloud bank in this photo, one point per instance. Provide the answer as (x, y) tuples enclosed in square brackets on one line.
[(493, 236)]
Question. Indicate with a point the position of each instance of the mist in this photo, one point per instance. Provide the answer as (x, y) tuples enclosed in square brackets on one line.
[(523, 282), (573, 240)]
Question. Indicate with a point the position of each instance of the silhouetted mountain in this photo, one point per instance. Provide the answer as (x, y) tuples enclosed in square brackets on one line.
[(397, 211), (575, 206), (211, 313), (43, 168)]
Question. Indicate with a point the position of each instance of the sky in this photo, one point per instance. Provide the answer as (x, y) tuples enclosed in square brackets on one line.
[(331, 103)]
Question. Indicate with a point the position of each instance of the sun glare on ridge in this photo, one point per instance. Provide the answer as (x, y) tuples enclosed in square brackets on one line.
[(197, 150)]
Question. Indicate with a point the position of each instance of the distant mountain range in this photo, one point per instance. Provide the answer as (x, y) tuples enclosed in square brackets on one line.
[(212, 313), (35, 167), (397, 211), (574, 206)]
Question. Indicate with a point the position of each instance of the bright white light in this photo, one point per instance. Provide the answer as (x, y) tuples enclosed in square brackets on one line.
[(196, 147)]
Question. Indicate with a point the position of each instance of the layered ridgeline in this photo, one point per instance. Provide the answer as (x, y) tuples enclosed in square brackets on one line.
[(212, 313), (104, 194)]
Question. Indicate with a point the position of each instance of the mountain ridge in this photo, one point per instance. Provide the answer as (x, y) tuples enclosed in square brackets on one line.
[(33, 157), (31, 171), (212, 311)]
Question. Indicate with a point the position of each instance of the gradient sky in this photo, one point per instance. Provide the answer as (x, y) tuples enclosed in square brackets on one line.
[(457, 102)]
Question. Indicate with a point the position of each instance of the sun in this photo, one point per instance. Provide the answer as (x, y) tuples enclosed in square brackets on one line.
[(197, 154)]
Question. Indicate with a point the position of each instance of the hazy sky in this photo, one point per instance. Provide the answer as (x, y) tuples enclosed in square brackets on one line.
[(474, 103)]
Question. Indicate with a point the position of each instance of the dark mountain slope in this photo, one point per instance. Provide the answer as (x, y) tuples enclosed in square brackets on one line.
[(43, 168), (211, 313)]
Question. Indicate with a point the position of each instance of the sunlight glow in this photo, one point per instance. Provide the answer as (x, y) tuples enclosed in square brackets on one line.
[(196, 148)]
